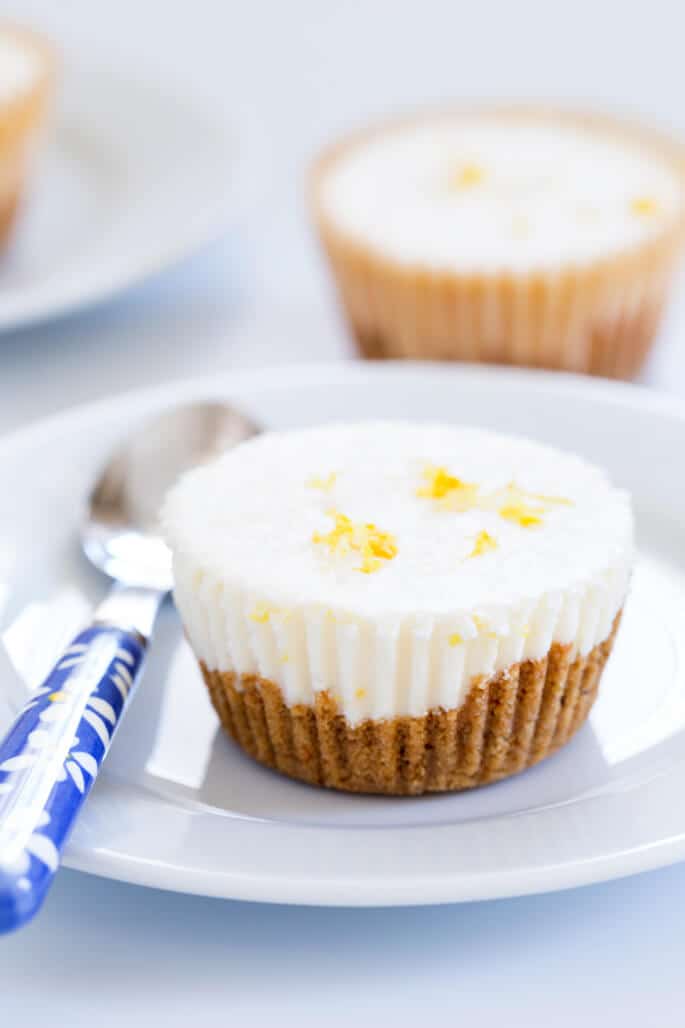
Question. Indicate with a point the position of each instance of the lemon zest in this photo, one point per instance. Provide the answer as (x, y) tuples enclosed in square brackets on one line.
[(644, 206), (449, 492), (522, 514), (511, 502), (467, 176), (262, 613), (372, 544), (484, 543)]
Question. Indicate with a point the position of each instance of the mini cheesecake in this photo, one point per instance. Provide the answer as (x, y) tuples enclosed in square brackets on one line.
[(399, 608), (526, 237)]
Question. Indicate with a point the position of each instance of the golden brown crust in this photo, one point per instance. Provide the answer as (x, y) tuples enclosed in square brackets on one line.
[(507, 723), (599, 317)]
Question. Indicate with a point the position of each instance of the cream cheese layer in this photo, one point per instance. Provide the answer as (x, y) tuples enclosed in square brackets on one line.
[(389, 563)]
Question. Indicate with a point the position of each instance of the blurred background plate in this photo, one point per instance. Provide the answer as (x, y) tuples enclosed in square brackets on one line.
[(179, 807), (133, 179)]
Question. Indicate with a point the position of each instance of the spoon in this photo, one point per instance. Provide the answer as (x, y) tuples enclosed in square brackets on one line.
[(51, 755)]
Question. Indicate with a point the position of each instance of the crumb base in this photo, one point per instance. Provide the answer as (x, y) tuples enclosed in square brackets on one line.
[(508, 722)]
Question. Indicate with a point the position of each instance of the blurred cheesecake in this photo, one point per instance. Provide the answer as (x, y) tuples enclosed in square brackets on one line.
[(522, 236), (26, 76)]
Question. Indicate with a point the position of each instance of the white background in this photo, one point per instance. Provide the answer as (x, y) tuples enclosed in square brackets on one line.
[(295, 74)]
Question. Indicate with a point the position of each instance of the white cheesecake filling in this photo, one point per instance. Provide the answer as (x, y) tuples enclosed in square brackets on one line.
[(500, 193), (19, 67), (390, 563)]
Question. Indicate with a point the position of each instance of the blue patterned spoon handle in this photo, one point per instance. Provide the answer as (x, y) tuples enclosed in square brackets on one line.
[(51, 756)]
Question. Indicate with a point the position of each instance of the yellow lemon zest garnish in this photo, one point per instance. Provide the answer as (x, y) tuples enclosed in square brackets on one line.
[(483, 544), (373, 545), (448, 491), (455, 639), (644, 206), (323, 482), (480, 623), (56, 697), (467, 176), (521, 514), (510, 502), (339, 537), (439, 483), (285, 657), (524, 508), (525, 631), (261, 613), (360, 694)]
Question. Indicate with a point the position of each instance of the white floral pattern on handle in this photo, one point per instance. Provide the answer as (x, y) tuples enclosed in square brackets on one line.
[(51, 756)]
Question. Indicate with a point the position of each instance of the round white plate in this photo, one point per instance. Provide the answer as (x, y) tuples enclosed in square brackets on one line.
[(131, 180), (179, 807)]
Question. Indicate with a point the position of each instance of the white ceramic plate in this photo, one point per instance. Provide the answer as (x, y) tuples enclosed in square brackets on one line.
[(179, 807), (131, 180)]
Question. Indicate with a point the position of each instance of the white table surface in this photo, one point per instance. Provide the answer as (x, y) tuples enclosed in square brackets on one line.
[(110, 954)]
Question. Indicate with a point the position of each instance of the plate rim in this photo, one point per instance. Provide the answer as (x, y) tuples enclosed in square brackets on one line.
[(312, 372), (360, 890)]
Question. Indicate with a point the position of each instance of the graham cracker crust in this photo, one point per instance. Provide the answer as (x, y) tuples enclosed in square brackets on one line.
[(507, 723)]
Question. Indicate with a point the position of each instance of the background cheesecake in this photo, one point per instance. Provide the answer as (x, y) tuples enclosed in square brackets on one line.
[(522, 236)]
